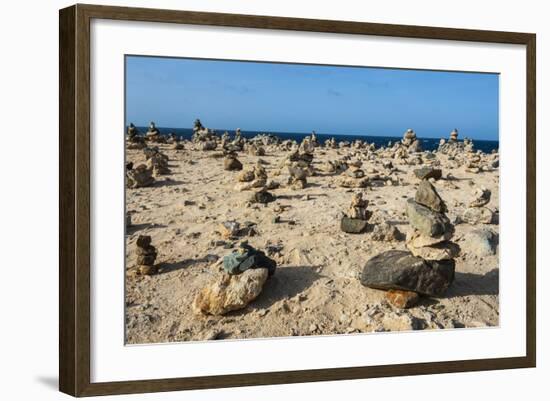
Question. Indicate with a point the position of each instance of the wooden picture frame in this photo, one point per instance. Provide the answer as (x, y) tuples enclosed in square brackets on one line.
[(74, 199)]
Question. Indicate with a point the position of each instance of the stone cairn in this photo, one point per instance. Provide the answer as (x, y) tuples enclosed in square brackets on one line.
[(135, 141), (132, 132), (237, 144), (203, 138), (477, 213), (432, 230), (157, 162), (299, 164), (336, 166), (331, 143), (461, 152), (254, 178), (139, 177), (473, 162), (153, 133), (255, 150), (354, 176), (231, 163), (298, 176), (146, 255), (245, 272), (410, 142), (355, 221), (428, 267)]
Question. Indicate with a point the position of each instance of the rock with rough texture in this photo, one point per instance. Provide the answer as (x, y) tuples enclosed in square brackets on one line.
[(207, 145), (262, 196), (230, 292), (358, 207), (232, 164), (146, 255), (349, 182), (477, 215), (400, 322), (425, 220), (139, 177), (247, 257), (417, 240), (442, 251), (158, 164), (480, 242), (229, 229), (386, 232), (246, 176), (482, 196), (353, 226), (427, 195), (427, 172), (402, 299), (401, 270)]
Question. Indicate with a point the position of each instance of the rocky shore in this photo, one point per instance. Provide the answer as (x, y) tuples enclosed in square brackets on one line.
[(228, 237)]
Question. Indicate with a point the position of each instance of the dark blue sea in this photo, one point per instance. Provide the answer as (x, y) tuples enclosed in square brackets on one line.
[(427, 143)]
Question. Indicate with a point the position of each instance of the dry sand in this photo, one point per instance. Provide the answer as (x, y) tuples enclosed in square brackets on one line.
[(316, 289)]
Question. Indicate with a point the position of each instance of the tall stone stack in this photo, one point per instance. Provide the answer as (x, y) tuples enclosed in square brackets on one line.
[(139, 177), (411, 143), (428, 267), (146, 256), (432, 230), (153, 133), (158, 164), (132, 132), (355, 221)]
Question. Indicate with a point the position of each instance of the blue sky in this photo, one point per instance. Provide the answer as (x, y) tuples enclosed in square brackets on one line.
[(301, 98)]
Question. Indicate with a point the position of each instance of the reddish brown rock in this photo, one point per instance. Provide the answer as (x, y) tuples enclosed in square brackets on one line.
[(402, 299)]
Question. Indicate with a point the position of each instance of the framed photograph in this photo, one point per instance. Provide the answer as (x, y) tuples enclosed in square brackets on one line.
[(249, 200)]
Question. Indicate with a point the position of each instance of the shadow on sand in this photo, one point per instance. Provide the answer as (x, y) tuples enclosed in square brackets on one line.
[(134, 228), (474, 284), (170, 267), (299, 196), (287, 282), (167, 183)]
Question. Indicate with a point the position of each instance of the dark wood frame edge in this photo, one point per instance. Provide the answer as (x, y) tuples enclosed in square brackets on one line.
[(74, 199)]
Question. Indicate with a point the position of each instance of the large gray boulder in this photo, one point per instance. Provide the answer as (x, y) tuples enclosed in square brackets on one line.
[(400, 270)]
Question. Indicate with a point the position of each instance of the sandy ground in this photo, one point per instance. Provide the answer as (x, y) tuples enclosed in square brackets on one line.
[(316, 289)]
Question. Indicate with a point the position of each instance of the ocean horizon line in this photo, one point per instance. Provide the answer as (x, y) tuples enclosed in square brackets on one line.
[(298, 133)]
